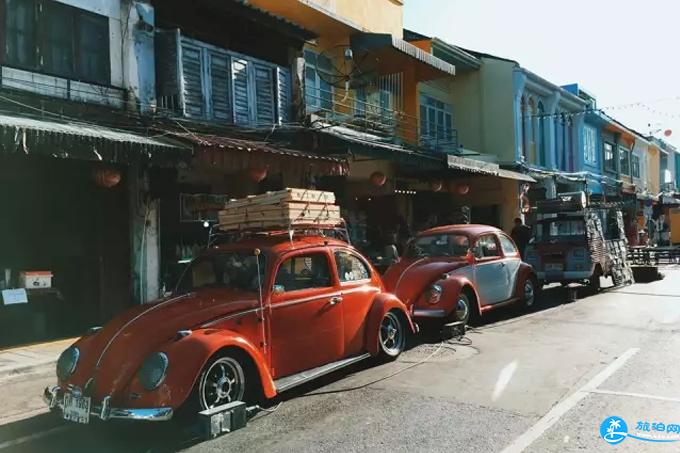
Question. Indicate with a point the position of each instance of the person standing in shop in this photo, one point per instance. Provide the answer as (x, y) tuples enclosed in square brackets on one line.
[(521, 234)]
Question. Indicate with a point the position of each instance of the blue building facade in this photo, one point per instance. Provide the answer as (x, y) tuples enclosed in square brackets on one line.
[(549, 123)]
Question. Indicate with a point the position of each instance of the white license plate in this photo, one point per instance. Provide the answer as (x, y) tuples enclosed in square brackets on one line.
[(554, 267), (77, 409)]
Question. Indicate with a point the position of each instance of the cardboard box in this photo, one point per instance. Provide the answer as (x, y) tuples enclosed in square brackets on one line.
[(35, 279)]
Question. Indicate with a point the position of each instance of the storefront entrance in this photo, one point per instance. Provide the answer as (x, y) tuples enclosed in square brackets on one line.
[(56, 218)]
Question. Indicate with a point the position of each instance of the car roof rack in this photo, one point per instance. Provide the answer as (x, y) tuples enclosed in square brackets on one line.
[(218, 236)]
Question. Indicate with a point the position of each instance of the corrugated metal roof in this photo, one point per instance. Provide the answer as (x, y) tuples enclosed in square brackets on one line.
[(386, 151), (508, 174), (471, 165), (307, 34), (376, 41), (20, 134), (260, 154)]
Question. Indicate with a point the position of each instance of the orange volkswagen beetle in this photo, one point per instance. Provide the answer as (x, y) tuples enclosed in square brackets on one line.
[(247, 320), (458, 272)]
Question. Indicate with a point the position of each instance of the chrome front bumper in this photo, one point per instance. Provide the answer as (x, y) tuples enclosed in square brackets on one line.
[(105, 412)]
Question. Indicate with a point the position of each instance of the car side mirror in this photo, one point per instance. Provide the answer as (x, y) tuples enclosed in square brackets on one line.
[(470, 256)]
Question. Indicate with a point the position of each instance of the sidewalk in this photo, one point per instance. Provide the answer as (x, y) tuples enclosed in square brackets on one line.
[(27, 359)]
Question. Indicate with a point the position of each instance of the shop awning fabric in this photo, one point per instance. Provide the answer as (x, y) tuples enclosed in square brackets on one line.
[(237, 154), (33, 136), (394, 53)]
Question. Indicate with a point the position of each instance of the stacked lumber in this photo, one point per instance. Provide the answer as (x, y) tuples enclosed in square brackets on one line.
[(283, 209), (617, 250)]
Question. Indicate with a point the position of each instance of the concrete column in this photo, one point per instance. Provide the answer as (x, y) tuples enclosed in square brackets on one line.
[(145, 237), (138, 54), (520, 81), (551, 188), (578, 122), (550, 144)]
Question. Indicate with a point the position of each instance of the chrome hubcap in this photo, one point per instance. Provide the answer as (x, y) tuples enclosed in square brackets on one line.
[(461, 310), (529, 293), (222, 383), (391, 334)]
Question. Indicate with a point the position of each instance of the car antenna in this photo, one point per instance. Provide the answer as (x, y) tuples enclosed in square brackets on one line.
[(259, 289)]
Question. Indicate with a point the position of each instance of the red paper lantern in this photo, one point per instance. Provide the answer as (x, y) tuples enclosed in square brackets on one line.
[(462, 189), (107, 178), (668, 132), (257, 174), (436, 186), (378, 179)]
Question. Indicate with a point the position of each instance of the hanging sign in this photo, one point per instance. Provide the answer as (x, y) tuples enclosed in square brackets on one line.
[(14, 296), (201, 207)]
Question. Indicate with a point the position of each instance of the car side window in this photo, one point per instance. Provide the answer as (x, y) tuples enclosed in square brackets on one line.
[(508, 246), (351, 268), (486, 247), (301, 272)]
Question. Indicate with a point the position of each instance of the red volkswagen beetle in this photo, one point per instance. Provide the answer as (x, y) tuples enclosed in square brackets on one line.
[(247, 320), (459, 272)]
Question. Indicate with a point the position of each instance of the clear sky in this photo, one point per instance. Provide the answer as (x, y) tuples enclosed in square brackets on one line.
[(624, 52)]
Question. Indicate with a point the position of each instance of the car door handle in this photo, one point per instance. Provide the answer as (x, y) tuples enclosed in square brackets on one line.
[(336, 300)]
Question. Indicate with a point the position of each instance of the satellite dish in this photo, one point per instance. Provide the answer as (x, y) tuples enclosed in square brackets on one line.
[(347, 67)]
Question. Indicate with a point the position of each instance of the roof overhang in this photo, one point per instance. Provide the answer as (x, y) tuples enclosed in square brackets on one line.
[(362, 145), (230, 153), (82, 140), (394, 54), (309, 15)]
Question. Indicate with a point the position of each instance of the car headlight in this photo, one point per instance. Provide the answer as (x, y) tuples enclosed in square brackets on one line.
[(434, 295), (153, 371), (68, 360)]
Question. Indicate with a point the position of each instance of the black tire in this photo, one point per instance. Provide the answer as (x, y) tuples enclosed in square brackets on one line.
[(465, 309), (529, 303), (391, 336), (594, 284), (250, 390)]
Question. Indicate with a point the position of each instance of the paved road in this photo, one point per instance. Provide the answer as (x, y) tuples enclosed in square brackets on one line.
[(539, 383)]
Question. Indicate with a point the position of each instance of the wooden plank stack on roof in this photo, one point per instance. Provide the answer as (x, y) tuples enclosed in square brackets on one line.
[(284, 209)]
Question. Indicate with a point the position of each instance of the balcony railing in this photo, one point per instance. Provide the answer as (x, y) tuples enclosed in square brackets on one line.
[(380, 113)]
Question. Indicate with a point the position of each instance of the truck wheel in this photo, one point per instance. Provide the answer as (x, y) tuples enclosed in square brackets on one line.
[(594, 283)]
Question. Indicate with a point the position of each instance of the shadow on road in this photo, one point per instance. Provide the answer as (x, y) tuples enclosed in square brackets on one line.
[(47, 432)]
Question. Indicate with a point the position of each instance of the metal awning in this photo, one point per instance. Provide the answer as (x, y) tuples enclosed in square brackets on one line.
[(394, 54), (358, 144), (508, 174), (27, 135), (471, 165), (236, 154)]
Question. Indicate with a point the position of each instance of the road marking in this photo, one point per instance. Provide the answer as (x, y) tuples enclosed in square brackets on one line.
[(637, 395), (23, 440), (554, 414)]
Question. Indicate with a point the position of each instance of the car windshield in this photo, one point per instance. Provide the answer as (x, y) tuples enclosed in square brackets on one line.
[(455, 245), (232, 270), (559, 230)]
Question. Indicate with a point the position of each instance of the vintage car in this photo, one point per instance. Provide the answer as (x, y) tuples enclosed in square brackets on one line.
[(247, 321), (458, 272)]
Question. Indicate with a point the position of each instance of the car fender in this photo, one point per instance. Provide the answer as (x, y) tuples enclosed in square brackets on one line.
[(525, 271), (451, 289), (383, 303), (188, 356)]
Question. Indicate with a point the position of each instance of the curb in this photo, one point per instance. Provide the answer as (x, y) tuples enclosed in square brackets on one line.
[(19, 370)]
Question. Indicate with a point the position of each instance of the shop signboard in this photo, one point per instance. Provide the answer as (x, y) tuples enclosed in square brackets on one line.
[(201, 207)]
